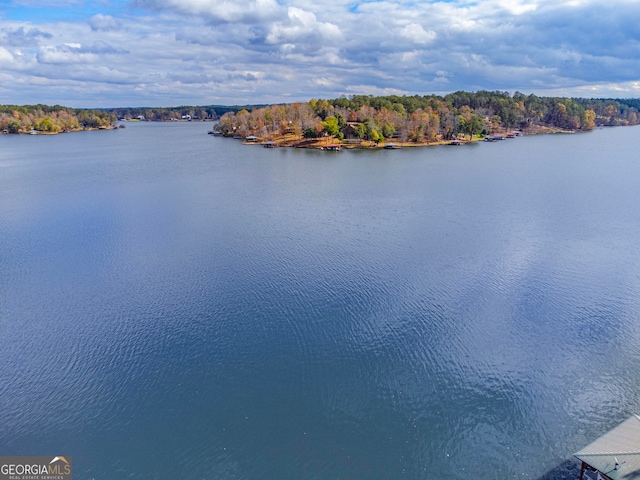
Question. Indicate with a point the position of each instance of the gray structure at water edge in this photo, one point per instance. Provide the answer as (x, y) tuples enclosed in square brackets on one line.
[(615, 455)]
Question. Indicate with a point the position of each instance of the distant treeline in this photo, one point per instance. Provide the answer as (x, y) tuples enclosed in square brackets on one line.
[(414, 118), (430, 117), (51, 119), (159, 114), (56, 118)]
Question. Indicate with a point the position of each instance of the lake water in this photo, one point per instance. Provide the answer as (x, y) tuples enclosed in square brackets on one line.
[(177, 305)]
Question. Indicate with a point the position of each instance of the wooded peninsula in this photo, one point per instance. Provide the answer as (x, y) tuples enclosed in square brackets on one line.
[(359, 120)]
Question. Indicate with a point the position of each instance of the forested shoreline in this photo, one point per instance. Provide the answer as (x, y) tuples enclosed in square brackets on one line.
[(427, 119), (414, 119), (52, 119), (57, 119)]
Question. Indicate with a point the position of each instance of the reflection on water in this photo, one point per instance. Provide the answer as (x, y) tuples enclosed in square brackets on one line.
[(178, 305)]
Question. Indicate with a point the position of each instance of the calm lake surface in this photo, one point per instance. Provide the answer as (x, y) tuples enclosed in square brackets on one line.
[(177, 305)]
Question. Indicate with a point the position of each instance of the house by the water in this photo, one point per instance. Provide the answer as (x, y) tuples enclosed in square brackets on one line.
[(334, 147), (615, 455)]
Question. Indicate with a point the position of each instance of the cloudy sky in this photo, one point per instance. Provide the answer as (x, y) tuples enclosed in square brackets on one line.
[(107, 53)]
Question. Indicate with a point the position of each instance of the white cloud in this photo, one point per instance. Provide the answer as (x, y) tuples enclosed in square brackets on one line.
[(410, 57), (264, 50), (302, 26), (5, 56), (247, 75), (104, 22), (57, 55), (71, 53), (21, 36), (243, 11), (417, 34), (516, 7), (374, 90)]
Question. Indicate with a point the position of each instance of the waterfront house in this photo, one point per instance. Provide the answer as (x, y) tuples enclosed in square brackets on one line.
[(613, 456), (334, 147), (349, 131)]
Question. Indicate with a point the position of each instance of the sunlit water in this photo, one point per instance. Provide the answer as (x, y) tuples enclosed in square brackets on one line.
[(177, 305)]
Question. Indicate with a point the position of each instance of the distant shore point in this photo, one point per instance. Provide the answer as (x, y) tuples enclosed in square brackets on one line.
[(68, 130), (363, 121)]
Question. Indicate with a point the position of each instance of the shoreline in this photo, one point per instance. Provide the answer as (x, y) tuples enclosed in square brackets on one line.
[(91, 129), (321, 143), (41, 132), (292, 141)]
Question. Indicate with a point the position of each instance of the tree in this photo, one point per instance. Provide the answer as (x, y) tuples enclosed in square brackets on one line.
[(473, 125), (46, 125), (589, 120), (330, 126), (310, 132), (388, 130), (371, 131), (14, 126)]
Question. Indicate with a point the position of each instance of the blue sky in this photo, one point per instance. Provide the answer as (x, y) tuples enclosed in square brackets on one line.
[(107, 53)]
